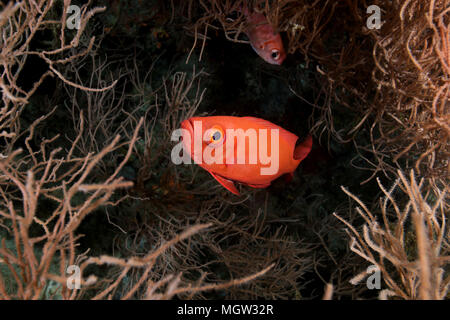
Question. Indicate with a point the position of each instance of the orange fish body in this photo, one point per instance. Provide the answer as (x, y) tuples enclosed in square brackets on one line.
[(246, 144), (264, 40)]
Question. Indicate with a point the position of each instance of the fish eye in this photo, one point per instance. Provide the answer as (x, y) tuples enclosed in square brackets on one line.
[(275, 54), (216, 135)]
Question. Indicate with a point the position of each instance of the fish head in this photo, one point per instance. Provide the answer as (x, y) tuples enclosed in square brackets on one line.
[(205, 134), (267, 43), (273, 51), (264, 39)]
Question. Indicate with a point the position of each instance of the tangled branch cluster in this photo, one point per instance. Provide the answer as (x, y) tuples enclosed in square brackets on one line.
[(46, 192), (412, 56), (395, 79), (388, 239), (178, 232)]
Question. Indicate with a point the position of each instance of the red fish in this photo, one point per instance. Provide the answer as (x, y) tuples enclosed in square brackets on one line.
[(246, 150), (264, 40)]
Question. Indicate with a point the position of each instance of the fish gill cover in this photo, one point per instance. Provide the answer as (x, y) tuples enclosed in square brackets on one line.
[(93, 207)]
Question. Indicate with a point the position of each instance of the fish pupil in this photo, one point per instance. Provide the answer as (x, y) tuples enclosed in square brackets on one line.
[(216, 136)]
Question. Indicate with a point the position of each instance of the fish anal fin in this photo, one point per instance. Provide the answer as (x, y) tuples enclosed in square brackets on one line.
[(227, 184), (302, 149)]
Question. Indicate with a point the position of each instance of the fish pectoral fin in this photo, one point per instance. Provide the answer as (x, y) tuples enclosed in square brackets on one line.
[(228, 184), (259, 186), (302, 149)]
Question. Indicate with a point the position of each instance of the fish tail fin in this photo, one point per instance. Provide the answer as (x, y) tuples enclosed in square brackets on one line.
[(302, 149)]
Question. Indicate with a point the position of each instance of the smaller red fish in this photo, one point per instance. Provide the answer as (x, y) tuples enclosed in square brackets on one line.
[(264, 40), (247, 150)]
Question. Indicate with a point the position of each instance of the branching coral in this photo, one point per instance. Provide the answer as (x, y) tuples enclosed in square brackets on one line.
[(175, 231), (388, 239), (20, 22), (167, 197), (47, 192), (303, 21), (59, 180), (411, 53)]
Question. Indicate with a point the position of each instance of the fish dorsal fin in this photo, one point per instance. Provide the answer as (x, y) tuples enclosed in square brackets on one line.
[(228, 184), (302, 149)]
